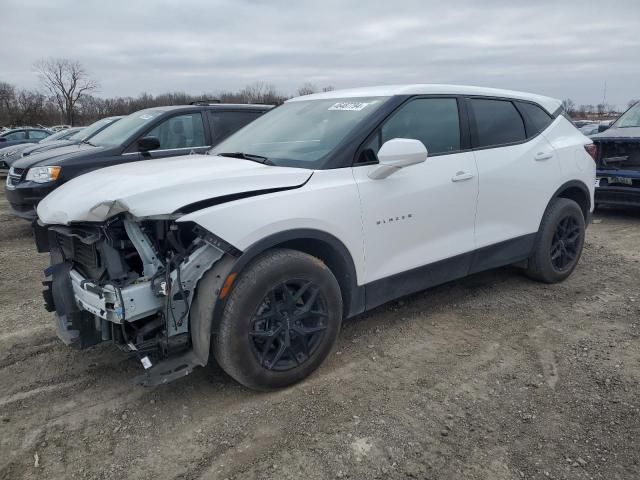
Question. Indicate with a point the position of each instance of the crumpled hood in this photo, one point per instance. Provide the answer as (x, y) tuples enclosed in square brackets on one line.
[(160, 187)]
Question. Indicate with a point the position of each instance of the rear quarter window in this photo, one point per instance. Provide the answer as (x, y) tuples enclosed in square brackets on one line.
[(536, 119), (497, 122)]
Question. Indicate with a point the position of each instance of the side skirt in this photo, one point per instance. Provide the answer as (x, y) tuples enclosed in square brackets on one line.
[(405, 283)]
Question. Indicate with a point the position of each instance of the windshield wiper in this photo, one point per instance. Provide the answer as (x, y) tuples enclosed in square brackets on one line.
[(247, 156), (87, 142)]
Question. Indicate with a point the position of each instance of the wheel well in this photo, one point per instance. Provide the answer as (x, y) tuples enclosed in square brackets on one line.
[(579, 196), (332, 259)]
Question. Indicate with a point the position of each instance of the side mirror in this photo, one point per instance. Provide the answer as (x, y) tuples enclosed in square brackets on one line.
[(398, 153), (3, 139), (602, 127), (146, 144)]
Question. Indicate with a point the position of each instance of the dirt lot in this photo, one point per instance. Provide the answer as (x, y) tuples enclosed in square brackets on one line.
[(493, 377)]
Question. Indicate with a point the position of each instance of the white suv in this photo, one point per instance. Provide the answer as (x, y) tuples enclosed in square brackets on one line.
[(325, 207)]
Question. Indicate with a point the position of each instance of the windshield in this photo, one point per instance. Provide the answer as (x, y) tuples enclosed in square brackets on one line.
[(115, 135), (300, 133), (91, 130), (61, 135), (631, 118)]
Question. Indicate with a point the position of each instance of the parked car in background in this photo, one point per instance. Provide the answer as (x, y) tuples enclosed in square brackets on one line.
[(10, 154), (74, 138), (56, 128), (589, 129), (22, 135), (618, 161), (325, 207), (604, 125), (583, 123), (145, 135)]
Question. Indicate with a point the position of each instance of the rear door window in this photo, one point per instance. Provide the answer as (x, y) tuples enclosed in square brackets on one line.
[(37, 134), (535, 118), (498, 122), (181, 131), (224, 123)]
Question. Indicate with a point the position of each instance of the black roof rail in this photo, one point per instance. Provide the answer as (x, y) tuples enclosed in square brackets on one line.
[(205, 102)]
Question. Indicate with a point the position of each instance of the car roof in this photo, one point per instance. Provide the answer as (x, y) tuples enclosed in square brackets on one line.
[(549, 104), (215, 106)]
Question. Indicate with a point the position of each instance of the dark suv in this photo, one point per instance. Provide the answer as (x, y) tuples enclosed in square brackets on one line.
[(147, 134), (618, 174)]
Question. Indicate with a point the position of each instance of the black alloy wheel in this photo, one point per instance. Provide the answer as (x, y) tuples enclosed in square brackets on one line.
[(288, 325), (566, 243), (280, 319), (559, 242)]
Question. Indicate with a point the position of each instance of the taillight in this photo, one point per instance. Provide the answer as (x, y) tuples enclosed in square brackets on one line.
[(592, 149)]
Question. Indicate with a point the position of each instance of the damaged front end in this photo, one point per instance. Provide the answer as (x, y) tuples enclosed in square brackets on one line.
[(618, 170), (133, 282)]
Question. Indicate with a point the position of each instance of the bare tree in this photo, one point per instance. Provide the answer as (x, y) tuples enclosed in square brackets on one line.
[(307, 88), (328, 88), (7, 103), (261, 92), (30, 107), (569, 106), (67, 81)]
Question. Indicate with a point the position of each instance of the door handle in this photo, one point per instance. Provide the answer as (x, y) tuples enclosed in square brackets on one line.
[(543, 156), (461, 176)]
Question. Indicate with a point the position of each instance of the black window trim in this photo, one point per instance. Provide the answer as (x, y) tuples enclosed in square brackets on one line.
[(463, 121), (161, 119), (527, 119), (514, 102)]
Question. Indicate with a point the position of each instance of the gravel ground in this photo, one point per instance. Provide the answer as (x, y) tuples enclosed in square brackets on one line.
[(492, 377)]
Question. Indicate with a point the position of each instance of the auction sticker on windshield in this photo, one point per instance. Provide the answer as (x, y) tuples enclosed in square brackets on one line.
[(349, 106)]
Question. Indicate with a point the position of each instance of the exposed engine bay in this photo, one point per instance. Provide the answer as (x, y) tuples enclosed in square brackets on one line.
[(131, 282)]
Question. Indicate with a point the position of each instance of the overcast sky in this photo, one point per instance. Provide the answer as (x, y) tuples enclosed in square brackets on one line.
[(558, 48)]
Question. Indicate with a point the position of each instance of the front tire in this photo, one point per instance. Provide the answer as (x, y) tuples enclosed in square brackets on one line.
[(280, 321), (559, 242)]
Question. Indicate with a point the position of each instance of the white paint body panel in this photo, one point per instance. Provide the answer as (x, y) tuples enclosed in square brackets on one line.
[(161, 186), (514, 189), (328, 202), (516, 182), (418, 215)]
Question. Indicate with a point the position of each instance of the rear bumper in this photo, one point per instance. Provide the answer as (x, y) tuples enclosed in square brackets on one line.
[(623, 196)]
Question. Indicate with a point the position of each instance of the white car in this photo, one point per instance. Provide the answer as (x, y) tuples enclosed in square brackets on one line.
[(325, 207)]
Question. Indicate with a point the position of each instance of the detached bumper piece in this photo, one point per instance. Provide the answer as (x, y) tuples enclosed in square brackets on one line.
[(170, 369)]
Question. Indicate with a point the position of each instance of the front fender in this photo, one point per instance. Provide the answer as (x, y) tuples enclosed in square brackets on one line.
[(329, 202)]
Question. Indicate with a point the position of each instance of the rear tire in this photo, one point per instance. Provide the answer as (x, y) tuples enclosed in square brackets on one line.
[(280, 322), (559, 242)]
